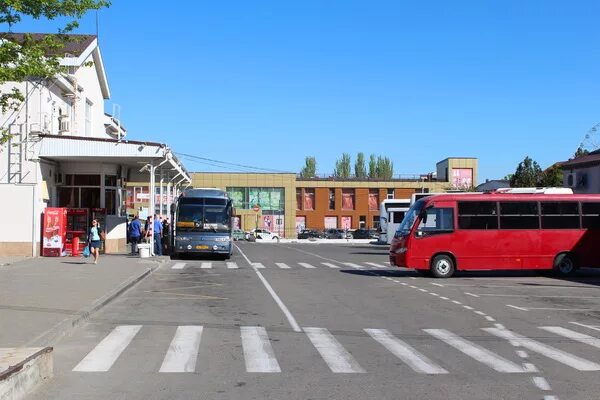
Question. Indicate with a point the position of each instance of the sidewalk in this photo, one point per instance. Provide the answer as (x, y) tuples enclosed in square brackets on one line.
[(41, 299)]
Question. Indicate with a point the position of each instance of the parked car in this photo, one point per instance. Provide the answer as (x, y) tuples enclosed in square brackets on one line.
[(337, 234), (264, 234), (362, 233), (239, 234), (310, 233)]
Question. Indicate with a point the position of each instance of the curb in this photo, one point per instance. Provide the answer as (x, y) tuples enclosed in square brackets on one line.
[(19, 379), (61, 330)]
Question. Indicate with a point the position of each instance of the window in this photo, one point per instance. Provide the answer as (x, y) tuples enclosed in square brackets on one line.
[(591, 215), (88, 118), (397, 216), (519, 215), (373, 199), (110, 180), (560, 215), (238, 197), (347, 199), (332, 199), (90, 198), (390, 193), (477, 215), (375, 222), (110, 201), (309, 199), (68, 197), (438, 220), (298, 199), (86, 180), (362, 221)]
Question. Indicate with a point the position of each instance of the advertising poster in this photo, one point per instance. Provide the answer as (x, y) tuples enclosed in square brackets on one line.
[(237, 197), (462, 178), (346, 223), (300, 224), (268, 222), (54, 221), (236, 223), (330, 222), (253, 197), (275, 200), (264, 200)]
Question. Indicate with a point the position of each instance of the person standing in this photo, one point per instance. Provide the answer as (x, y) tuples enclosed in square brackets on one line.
[(135, 234), (158, 229), (94, 240)]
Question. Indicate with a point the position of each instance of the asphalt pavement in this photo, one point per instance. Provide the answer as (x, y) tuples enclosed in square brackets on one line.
[(334, 321)]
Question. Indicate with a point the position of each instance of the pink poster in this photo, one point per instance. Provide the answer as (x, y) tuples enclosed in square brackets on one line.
[(346, 223), (330, 222), (300, 224), (268, 222), (462, 178), (236, 223)]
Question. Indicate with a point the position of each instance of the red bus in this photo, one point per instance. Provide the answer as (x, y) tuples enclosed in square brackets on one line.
[(448, 232)]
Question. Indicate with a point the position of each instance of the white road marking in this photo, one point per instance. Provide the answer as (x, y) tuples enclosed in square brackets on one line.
[(475, 351), (490, 318), (579, 337), (480, 313), (257, 265), (518, 308), (306, 265), (536, 296), (412, 277), (404, 283), (467, 307), (337, 358), (387, 262), (258, 352), (353, 265), (415, 360), (437, 284), (594, 327), (104, 355), (471, 294), (232, 265), (274, 295), (563, 357), (499, 326), (282, 265), (206, 265), (522, 354), (178, 266), (423, 290), (434, 294), (541, 383), (444, 298), (456, 302), (414, 287), (529, 367), (376, 265), (183, 350), (550, 398), (330, 265)]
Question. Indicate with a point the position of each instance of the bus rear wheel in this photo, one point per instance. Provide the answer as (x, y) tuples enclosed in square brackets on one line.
[(564, 265), (442, 266)]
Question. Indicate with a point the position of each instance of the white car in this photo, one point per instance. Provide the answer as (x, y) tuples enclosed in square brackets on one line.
[(264, 234)]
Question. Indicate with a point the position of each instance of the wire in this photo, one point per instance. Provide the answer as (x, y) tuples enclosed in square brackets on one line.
[(218, 164)]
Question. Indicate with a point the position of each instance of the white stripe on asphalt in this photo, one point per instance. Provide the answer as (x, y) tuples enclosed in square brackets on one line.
[(475, 351), (515, 307), (541, 383), (306, 265), (330, 265), (594, 327), (563, 357), (258, 352), (206, 265), (471, 294), (353, 265), (232, 265), (282, 265), (337, 358), (376, 265), (437, 284), (415, 360), (579, 337), (178, 266), (258, 265), (104, 355), (183, 350)]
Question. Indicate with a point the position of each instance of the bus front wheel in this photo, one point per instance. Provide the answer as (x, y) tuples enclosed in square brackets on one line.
[(442, 266), (564, 265)]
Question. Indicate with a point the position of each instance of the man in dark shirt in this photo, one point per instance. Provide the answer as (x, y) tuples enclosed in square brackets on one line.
[(135, 233)]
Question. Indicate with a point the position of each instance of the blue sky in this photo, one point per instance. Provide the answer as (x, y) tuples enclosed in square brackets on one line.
[(267, 83)]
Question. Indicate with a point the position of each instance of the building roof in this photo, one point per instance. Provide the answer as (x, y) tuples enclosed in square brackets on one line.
[(590, 159), (74, 47)]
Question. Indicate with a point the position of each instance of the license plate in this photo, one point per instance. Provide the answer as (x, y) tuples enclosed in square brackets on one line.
[(201, 247)]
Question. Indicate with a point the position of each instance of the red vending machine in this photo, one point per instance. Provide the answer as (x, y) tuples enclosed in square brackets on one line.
[(77, 226), (54, 231)]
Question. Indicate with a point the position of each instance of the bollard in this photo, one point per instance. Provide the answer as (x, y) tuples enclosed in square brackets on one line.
[(75, 247)]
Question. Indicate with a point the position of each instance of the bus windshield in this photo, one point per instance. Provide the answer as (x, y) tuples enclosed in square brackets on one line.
[(204, 215), (409, 218)]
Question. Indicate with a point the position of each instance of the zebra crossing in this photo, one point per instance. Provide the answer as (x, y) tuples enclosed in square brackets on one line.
[(182, 353), (278, 265)]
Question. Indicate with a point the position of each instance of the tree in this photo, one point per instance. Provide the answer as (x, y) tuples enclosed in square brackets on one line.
[(372, 167), (580, 152), (528, 174), (35, 58), (310, 168), (360, 170), (342, 167), (384, 168), (552, 177)]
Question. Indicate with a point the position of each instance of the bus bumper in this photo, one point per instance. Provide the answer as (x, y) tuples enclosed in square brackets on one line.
[(204, 247)]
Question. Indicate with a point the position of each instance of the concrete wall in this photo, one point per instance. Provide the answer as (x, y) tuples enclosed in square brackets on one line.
[(17, 220)]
